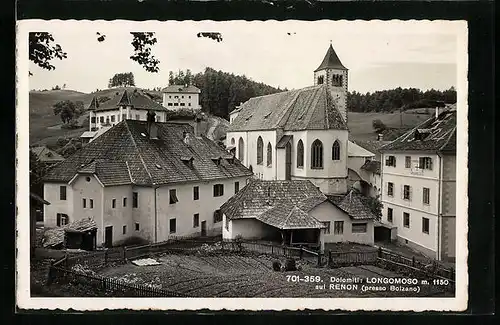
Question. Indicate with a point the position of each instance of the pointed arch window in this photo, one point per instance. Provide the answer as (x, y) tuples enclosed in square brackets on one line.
[(269, 154), (321, 80), (232, 141), (317, 154), (300, 154), (260, 151), (241, 150), (336, 150)]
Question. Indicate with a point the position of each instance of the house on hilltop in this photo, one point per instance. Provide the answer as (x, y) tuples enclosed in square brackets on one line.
[(296, 213), (419, 186), (176, 97), (299, 134), (125, 105), (144, 179)]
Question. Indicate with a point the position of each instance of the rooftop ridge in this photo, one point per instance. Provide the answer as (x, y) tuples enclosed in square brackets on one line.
[(138, 152)]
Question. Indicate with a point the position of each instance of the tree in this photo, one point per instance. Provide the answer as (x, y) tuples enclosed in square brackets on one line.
[(37, 171), (125, 79), (43, 50), (378, 126), (68, 110)]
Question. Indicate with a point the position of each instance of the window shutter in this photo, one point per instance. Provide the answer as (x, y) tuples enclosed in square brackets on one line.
[(58, 220), (420, 162), (394, 160), (430, 163), (402, 192), (411, 193)]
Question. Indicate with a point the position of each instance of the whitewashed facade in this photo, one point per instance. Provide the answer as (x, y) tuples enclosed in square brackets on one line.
[(177, 97)]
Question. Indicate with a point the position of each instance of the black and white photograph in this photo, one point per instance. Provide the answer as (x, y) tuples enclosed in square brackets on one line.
[(253, 165)]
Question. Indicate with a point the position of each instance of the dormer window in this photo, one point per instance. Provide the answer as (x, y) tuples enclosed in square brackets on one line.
[(230, 160), (216, 161), (421, 134), (188, 161)]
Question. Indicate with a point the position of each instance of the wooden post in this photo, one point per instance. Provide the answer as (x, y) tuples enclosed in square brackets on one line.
[(124, 254), (319, 258)]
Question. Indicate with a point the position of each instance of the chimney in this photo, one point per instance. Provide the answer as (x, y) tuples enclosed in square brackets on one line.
[(380, 136), (152, 128), (197, 125), (437, 112), (185, 137)]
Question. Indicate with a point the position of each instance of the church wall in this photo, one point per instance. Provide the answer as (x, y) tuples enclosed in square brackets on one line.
[(262, 171)]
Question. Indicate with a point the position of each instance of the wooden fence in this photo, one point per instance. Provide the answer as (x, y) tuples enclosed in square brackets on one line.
[(338, 259)]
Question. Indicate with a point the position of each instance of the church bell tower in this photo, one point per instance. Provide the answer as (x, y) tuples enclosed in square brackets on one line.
[(333, 73)]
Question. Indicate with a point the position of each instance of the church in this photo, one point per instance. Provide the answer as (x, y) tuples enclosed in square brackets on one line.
[(299, 134)]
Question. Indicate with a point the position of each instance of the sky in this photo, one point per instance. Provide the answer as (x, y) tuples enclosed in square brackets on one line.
[(379, 55)]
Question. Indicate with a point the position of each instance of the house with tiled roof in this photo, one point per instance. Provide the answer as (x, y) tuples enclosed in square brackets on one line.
[(418, 185), (46, 156), (145, 179), (299, 134), (296, 212), (129, 104), (176, 97)]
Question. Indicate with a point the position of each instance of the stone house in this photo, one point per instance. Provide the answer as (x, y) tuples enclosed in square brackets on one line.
[(299, 134), (145, 179), (296, 213), (419, 186), (176, 97)]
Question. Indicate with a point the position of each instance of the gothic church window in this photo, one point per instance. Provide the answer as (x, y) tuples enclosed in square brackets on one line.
[(336, 150), (337, 80), (241, 150), (260, 151), (321, 80), (300, 154), (269, 154), (317, 154)]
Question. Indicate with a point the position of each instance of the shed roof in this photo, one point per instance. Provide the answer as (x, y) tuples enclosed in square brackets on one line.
[(353, 150), (354, 204), (46, 155)]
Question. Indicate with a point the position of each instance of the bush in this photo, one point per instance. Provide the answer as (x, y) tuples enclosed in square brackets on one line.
[(378, 125), (290, 265), (276, 266), (72, 124)]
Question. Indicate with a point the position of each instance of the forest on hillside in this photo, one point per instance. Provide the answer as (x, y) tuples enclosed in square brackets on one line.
[(221, 92)]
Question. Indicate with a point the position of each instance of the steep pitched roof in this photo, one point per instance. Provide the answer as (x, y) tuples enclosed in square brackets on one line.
[(94, 104), (331, 61), (353, 150), (125, 154), (289, 217), (435, 134), (46, 155), (189, 89), (136, 98), (354, 204), (310, 108)]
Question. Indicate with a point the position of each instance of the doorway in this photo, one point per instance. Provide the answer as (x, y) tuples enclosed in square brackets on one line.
[(203, 228), (108, 237), (288, 161)]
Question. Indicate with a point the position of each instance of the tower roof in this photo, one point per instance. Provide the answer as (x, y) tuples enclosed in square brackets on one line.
[(331, 61)]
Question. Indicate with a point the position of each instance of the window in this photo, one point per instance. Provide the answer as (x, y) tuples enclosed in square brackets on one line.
[(300, 154), (62, 219), (124, 201), (218, 190), (182, 104), (91, 203), (321, 80), (337, 80), (425, 225), (426, 195), (84, 202), (425, 163), (227, 223), (173, 226), (407, 162), (406, 219), (101, 119), (137, 117), (136, 226), (173, 196), (124, 231), (390, 189), (217, 216), (158, 118), (196, 193), (62, 193), (389, 215), (169, 96), (124, 117), (113, 203), (317, 154), (326, 227), (189, 104), (92, 119), (390, 161), (241, 150), (359, 227), (260, 151), (169, 104), (196, 220), (269, 154), (338, 227), (176, 104), (135, 199), (236, 187), (406, 192), (112, 118), (182, 96), (336, 150)]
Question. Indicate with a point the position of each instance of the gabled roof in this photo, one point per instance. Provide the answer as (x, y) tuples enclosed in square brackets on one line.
[(189, 89), (46, 155), (125, 154), (441, 135), (284, 140), (353, 150), (135, 98), (311, 108), (331, 61), (354, 204), (94, 104)]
